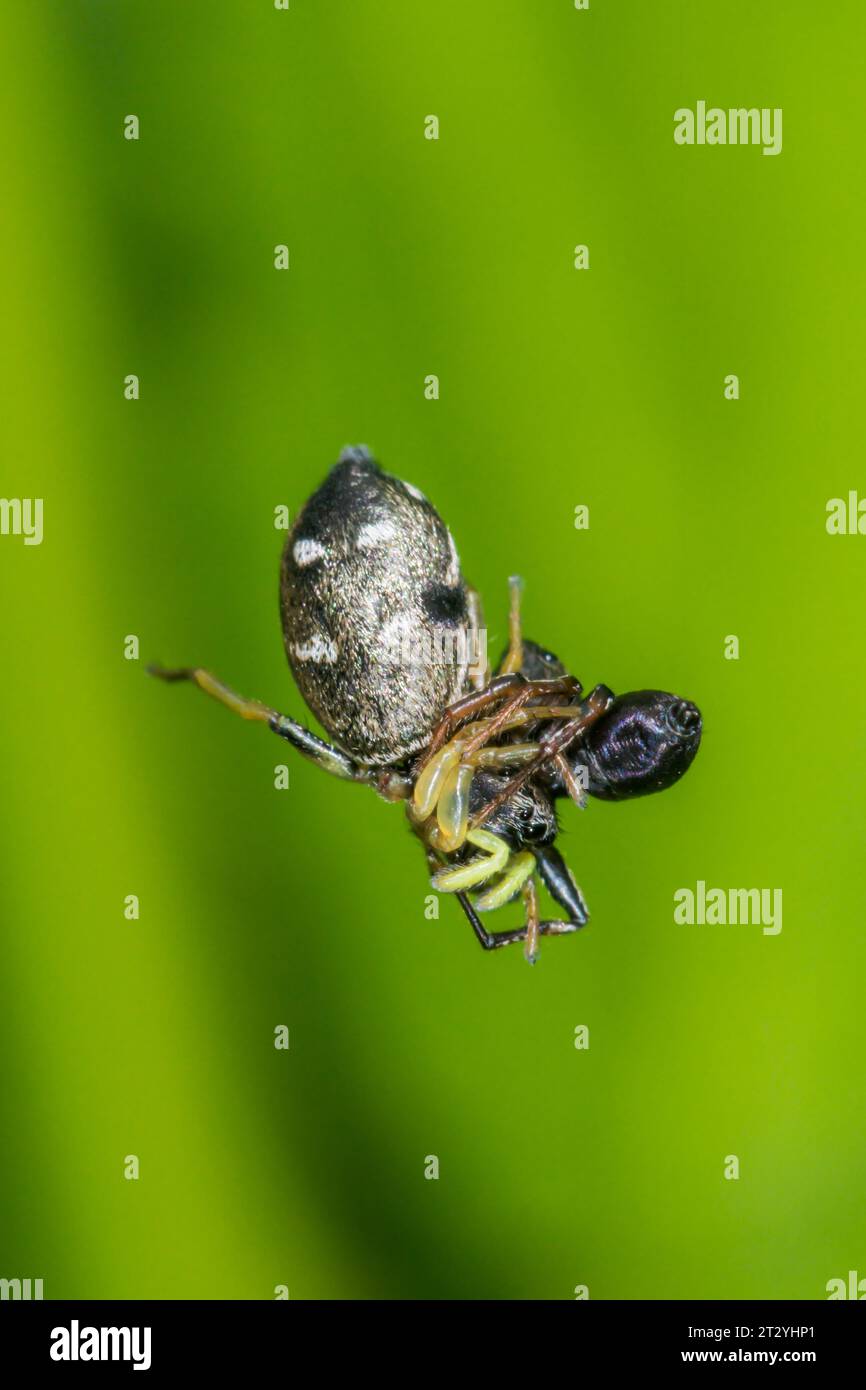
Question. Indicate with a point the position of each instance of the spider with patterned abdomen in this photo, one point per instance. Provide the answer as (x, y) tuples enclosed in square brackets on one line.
[(479, 758)]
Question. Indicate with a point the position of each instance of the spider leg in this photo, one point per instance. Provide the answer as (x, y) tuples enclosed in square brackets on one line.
[(506, 717), (506, 755), (552, 741), (489, 940), (479, 671), (442, 784), (325, 755), (561, 885), (529, 933), (486, 690), (533, 924), (453, 878), (468, 706), (572, 784), (518, 870), (514, 657), (447, 784), (440, 772)]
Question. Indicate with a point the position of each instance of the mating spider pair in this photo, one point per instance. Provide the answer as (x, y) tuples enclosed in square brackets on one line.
[(479, 761)]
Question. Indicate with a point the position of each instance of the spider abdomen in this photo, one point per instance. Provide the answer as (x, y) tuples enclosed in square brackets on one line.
[(376, 618)]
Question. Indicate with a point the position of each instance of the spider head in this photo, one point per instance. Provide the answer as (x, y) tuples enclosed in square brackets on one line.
[(539, 663), (526, 818)]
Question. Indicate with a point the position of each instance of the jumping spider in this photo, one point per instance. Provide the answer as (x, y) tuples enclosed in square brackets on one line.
[(370, 570)]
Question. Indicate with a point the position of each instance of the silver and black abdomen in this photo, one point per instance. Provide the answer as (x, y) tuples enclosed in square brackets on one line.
[(375, 612)]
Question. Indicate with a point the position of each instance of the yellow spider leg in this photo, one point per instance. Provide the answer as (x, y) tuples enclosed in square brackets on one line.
[(444, 782), (452, 809), (520, 867), (530, 713), (454, 879), (238, 704), (514, 658), (428, 788), (530, 902), (511, 755)]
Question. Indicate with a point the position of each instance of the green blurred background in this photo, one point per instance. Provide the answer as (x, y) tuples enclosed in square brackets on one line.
[(306, 907)]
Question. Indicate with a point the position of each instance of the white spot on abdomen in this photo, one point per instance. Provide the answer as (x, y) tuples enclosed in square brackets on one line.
[(316, 648), (375, 533), (413, 492), (305, 552)]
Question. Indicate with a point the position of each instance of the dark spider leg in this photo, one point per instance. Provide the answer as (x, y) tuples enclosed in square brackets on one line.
[(559, 882), (553, 870), (492, 940), (570, 781), (467, 706), (501, 686), (443, 782), (470, 705), (533, 690), (323, 754), (489, 940)]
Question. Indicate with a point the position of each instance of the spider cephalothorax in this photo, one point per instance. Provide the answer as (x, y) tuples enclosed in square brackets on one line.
[(384, 638)]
